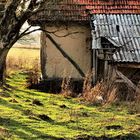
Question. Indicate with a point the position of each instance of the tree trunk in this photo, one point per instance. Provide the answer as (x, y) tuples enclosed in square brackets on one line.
[(3, 55)]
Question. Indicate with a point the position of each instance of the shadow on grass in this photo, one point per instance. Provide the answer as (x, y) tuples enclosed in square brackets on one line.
[(126, 137), (15, 128), (8, 88), (13, 106)]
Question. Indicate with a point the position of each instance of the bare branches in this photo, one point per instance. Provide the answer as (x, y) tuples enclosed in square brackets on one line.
[(65, 35), (55, 32), (10, 10), (27, 33), (24, 32)]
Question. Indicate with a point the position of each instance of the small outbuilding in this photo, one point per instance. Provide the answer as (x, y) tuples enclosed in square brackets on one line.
[(116, 45)]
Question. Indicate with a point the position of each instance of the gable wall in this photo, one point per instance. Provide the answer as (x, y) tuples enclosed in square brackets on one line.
[(75, 45)]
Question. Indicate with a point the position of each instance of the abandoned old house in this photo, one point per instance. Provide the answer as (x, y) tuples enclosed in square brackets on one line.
[(97, 35), (115, 30)]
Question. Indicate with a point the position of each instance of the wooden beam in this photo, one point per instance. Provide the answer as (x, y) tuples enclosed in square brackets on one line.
[(105, 66), (137, 65), (94, 66), (128, 82)]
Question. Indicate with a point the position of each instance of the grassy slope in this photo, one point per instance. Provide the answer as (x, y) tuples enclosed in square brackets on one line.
[(68, 118)]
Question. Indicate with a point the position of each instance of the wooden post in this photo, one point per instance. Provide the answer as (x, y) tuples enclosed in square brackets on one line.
[(94, 66), (105, 65)]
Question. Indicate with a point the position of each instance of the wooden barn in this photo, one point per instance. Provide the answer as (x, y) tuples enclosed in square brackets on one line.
[(90, 35)]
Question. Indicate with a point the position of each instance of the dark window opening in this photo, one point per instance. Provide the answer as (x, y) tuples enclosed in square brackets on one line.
[(105, 43), (118, 28)]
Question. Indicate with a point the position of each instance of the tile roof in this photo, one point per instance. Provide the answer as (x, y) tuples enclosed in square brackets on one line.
[(75, 10), (123, 30)]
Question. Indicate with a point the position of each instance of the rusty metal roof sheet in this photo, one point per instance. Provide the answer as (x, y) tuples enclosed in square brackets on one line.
[(123, 30), (76, 10)]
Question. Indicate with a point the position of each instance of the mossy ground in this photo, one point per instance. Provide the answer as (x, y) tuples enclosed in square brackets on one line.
[(65, 118)]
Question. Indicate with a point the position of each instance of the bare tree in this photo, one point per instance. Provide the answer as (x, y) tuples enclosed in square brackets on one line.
[(16, 13), (14, 16)]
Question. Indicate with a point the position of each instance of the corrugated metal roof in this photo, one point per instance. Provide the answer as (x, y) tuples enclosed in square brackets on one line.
[(123, 30), (75, 10)]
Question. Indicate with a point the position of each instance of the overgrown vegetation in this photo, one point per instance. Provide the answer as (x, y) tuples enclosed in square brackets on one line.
[(104, 92)]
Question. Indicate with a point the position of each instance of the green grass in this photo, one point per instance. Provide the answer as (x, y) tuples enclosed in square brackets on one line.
[(67, 118)]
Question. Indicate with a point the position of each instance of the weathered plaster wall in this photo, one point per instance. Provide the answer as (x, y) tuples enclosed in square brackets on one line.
[(76, 45)]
